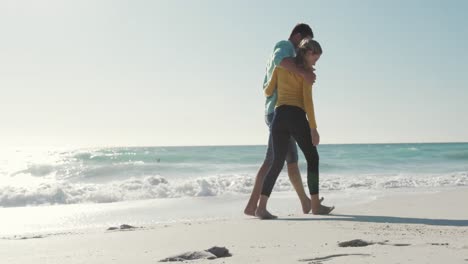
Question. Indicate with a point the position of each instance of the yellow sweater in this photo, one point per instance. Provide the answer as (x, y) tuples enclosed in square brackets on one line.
[(292, 90)]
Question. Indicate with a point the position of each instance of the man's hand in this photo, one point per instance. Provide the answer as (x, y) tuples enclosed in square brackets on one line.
[(315, 137), (290, 65), (309, 76)]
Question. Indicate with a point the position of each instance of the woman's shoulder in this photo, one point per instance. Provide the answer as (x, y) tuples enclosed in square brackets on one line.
[(288, 73), (284, 71)]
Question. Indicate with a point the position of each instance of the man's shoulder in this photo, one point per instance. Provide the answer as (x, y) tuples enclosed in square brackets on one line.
[(284, 44)]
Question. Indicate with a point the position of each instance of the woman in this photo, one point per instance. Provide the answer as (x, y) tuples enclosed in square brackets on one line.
[(293, 104)]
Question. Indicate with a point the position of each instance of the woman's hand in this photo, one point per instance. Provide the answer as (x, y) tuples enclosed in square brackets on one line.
[(315, 137)]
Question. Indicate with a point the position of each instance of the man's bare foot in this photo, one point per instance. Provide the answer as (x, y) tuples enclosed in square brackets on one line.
[(306, 206), (264, 214), (250, 211)]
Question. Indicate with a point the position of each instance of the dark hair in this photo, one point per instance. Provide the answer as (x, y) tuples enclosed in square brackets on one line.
[(306, 44), (303, 29)]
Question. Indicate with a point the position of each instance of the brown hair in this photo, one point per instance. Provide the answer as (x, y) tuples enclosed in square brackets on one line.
[(302, 29), (306, 44)]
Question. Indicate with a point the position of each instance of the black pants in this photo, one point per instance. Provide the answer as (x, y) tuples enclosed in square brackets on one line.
[(291, 121)]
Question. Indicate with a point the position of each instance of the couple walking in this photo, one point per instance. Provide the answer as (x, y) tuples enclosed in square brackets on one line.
[(289, 111)]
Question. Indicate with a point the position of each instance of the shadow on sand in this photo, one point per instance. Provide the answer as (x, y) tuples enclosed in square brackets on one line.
[(383, 219)]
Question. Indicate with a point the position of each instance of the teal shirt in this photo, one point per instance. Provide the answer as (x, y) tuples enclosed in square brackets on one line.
[(283, 49)]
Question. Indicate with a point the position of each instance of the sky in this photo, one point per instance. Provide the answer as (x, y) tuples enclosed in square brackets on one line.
[(169, 73)]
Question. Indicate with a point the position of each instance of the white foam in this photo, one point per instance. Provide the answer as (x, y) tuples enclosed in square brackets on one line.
[(48, 190)]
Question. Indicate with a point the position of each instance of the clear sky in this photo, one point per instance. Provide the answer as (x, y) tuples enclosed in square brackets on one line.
[(176, 72)]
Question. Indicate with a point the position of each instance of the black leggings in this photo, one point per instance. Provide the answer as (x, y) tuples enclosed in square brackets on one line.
[(291, 121)]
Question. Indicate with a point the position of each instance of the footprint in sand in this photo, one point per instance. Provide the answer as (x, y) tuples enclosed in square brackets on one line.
[(363, 243), (320, 259), (439, 244), (32, 237)]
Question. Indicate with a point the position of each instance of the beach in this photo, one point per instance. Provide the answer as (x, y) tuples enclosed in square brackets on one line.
[(142, 132), (402, 227), (395, 203)]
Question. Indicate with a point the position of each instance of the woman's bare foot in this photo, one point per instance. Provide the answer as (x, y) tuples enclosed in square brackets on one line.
[(318, 208), (323, 210), (264, 214)]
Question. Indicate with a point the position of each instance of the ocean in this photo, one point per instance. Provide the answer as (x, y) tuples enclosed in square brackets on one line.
[(65, 189)]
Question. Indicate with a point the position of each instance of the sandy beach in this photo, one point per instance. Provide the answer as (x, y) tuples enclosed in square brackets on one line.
[(404, 228), (140, 132)]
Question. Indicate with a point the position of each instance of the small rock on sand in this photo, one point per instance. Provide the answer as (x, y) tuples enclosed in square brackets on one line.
[(355, 243), (122, 227), (212, 253), (126, 227)]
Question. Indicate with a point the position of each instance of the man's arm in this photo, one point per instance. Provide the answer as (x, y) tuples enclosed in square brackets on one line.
[(288, 64), (271, 86)]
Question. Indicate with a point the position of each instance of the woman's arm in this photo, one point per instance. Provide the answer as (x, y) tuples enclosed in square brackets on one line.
[(309, 105), (310, 111), (271, 85)]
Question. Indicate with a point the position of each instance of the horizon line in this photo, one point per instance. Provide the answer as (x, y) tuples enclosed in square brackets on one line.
[(229, 145)]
